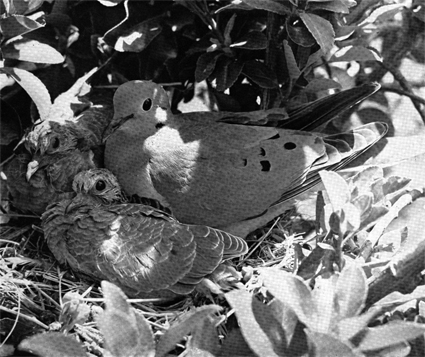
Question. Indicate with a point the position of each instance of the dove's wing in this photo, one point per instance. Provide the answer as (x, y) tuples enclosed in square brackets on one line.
[(136, 246)]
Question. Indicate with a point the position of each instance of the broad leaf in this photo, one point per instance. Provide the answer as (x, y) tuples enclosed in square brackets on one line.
[(32, 51), (319, 84), (396, 298), (17, 25), (326, 345), (351, 291), (259, 73), (126, 333), (53, 344), (382, 13), (363, 204), (338, 6), (390, 334), (321, 30), (263, 333), (204, 341), (192, 321), (292, 291), (205, 65), (336, 188), (291, 63), (268, 5), (33, 86), (22, 7), (137, 38), (226, 73), (228, 30), (299, 33), (355, 53), (110, 3)]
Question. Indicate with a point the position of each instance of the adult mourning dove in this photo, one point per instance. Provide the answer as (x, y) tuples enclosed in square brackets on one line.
[(221, 168), (140, 248), (58, 147)]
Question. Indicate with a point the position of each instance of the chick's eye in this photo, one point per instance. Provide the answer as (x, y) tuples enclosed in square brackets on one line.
[(147, 104), (100, 185), (55, 143)]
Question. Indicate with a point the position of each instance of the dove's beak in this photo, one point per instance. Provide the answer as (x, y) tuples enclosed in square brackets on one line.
[(75, 203), (32, 169)]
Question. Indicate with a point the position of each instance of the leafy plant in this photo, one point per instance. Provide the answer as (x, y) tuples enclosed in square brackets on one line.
[(325, 321), (125, 332)]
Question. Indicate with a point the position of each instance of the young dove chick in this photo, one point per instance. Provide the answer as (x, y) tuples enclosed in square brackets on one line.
[(58, 147), (137, 247), (221, 168)]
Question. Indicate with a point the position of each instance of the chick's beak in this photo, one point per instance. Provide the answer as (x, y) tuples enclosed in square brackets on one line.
[(32, 169), (76, 202)]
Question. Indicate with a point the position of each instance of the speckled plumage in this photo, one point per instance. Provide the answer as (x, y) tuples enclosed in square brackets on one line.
[(142, 249), (221, 168)]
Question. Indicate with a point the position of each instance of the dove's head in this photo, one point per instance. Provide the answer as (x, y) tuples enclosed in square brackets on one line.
[(100, 184), (49, 143), (144, 101)]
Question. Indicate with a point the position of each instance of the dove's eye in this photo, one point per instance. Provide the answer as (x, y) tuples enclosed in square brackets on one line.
[(147, 104), (100, 185), (55, 143)]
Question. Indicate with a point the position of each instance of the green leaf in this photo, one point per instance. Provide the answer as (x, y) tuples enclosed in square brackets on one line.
[(324, 296), (22, 7), (326, 345), (254, 40), (348, 328), (321, 30), (261, 330), (319, 84), (355, 53), (227, 73), (382, 14), (204, 341), (33, 86), (374, 215), (17, 25), (291, 63), (126, 333), (314, 60), (363, 203), (299, 33), (192, 321), (205, 65), (32, 51), (351, 291), (364, 180), (235, 5), (390, 334), (336, 188), (396, 298), (292, 291), (350, 218), (338, 6), (228, 30), (394, 183), (268, 5), (310, 264), (137, 38), (110, 3), (259, 73), (53, 344)]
